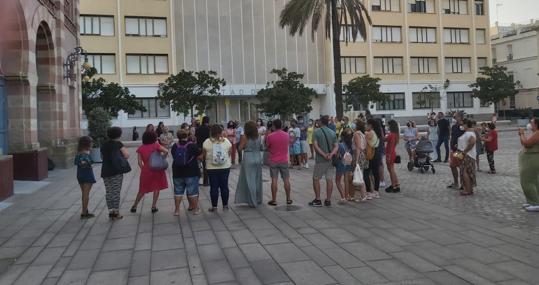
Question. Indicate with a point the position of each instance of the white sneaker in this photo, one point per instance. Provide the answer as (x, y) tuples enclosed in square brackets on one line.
[(376, 195), (532, 208), (306, 165), (382, 184)]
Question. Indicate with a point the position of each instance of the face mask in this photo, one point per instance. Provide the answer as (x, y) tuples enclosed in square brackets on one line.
[(529, 127), (461, 128), (300, 121)]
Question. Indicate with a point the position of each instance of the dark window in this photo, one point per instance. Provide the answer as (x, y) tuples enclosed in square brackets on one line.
[(479, 7), (153, 109), (396, 101), (457, 100), (426, 100)]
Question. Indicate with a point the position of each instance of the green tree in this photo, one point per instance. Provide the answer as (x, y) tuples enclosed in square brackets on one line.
[(285, 96), (188, 89), (111, 97), (363, 90), (494, 85), (98, 124), (336, 14)]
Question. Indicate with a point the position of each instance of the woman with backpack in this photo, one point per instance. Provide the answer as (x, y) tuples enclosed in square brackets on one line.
[(216, 152), (185, 171), (150, 180), (249, 189), (345, 165)]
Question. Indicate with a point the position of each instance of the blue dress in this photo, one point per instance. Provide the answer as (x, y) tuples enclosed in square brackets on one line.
[(85, 173), (249, 189)]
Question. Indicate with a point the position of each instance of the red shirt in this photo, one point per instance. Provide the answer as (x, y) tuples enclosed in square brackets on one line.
[(492, 145), (277, 143)]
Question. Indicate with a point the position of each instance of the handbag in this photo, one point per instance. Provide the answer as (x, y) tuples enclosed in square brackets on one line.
[(120, 164), (398, 159), (157, 161), (358, 176), (334, 159)]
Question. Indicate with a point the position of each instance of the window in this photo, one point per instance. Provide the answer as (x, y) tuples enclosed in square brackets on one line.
[(153, 109), (387, 65), (479, 7), (420, 65), (346, 33), (146, 27), (103, 63), (457, 100), (97, 25), (386, 34), (421, 6), (386, 5), (147, 64), (457, 65), (480, 36), (353, 65), (512, 102), (509, 52), (493, 55), (455, 6), (456, 36), (481, 62), (396, 101), (422, 35), (426, 100)]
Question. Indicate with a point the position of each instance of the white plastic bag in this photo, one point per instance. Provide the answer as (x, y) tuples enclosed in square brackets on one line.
[(358, 176)]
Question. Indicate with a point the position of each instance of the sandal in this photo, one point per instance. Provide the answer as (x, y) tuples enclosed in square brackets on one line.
[(272, 203), (288, 202), (133, 209), (154, 210)]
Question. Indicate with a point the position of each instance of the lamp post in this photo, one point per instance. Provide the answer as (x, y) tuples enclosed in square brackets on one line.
[(70, 63)]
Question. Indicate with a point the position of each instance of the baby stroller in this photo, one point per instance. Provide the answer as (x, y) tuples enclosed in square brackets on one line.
[(422, 160)]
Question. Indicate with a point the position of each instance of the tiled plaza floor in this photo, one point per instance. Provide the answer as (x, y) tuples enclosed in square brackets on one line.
[(425, 235)]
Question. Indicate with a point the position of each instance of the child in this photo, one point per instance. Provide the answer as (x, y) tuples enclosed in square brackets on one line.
[(85, 173), (491, 145)]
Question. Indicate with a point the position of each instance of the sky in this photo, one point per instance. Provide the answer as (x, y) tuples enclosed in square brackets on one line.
[(513, 11)]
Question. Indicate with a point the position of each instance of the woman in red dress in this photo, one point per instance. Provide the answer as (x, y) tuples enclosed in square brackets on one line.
[(392, 139), (150, 180)]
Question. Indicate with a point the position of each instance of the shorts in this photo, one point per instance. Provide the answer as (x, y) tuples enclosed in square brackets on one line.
[(186, 184), (276, 168), (323, 169), (295, 148), (304, 147), (453, 161)]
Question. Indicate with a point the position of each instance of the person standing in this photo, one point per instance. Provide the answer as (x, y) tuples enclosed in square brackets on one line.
[(295, 144), (443, 137), (360, 143), (135, 134), (239, 134), (216, 152), (491, 145), (326, 147), (185, 172), (231, 136), (373, 132), (392, 139), (432, 133), (345, 165), (467, 153), (479, 148), (277, 144), (160, 129), (151, 181), (456, 131), (303, 142), (112, 175), (249, 188), (528, 161), (410, 136), (85, 173), (310, 132), (202, 133)]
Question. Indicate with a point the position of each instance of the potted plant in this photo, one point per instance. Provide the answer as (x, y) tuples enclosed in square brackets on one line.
[(98, 124), (524, 116)]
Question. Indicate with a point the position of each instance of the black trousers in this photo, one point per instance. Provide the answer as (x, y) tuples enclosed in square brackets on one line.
[(374, 170)]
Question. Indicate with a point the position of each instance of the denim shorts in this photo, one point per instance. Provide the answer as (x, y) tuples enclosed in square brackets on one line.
[(186, 184)]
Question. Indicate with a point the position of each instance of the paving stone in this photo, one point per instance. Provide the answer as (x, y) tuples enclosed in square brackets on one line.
[(199, 280), (343, 258), (235, 257), (318, 256), (484, 270), (270, 236), (225, 239), (285, 252), (320, 241), (364, 251), (339, 235), (165, 242), (83, 259), (92, 242), (518, 253), (171, 276), (140, 265), (307, 272), (33, 275), (341, 275), (29, 255), (268, 271), (74, 277), (168, 259), (205, 237), (113, 260), (519, 269), (50, 281), (139, 280), (116, 277), (166, 229), (247, 276), (218, 271), (210, 252), (467, 275), (445, 277), (479, 253), (394, 270), (143, 241), (59, 267), (416, 262), (254, 252), (119, 244), (440, 237), (367, 275)]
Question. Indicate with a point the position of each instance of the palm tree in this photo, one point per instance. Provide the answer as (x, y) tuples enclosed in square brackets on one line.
[(336, 14)]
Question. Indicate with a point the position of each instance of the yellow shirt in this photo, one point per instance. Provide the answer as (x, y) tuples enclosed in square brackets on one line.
[(310, 131)]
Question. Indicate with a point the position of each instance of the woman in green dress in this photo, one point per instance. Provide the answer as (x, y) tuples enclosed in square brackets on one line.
[(528, 162), (249, 189)]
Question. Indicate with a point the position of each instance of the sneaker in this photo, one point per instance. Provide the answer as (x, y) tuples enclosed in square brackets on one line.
[(532, 208), (86, 216), (306, 166), (369, 196), (315, 203), (382, 184), (327, 203), (389, 189), (397, 189), (376, 195)]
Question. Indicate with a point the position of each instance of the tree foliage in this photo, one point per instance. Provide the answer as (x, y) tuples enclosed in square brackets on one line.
[(350, 14), (494, 84), (285, 96), (363, 90), (111, 97), (98, 124), (188, 89)]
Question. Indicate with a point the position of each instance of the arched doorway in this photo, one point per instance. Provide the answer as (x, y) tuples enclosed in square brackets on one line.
[(46, 93)]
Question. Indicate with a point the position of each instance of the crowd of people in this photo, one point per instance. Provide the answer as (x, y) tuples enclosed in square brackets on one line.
[(348, 154)]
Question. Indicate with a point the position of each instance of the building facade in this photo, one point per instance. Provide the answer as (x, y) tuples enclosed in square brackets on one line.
[(516, 47), (39, 96), (426, 52)]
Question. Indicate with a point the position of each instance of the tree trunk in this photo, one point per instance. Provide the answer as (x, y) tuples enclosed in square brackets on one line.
[(337, 59)]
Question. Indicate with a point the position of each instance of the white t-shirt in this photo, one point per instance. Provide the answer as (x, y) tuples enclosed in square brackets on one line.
[(463, 143), (208, 147)]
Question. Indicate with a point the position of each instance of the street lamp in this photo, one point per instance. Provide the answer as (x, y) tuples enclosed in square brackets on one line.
[(70, 63)]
